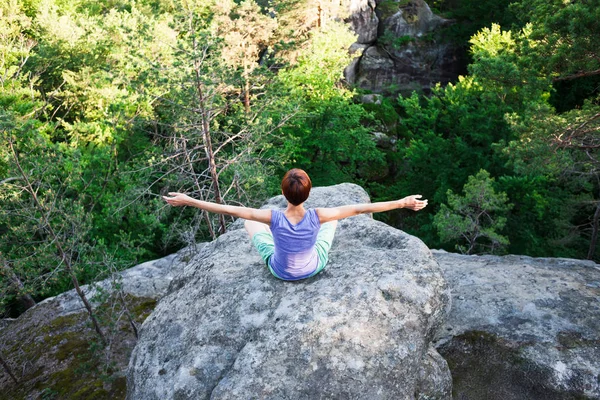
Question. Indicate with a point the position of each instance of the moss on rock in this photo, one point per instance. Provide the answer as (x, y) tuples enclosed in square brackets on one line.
[(60, 356), (484, 366)]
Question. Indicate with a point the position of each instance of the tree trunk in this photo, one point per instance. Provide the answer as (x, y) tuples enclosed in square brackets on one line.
[(82, 295), (594, 239), (577, 75), (215, 179), (208, 148), (203, 214), (63, 254), (246, 88), (129, 316), (319, 14), (246, 95)]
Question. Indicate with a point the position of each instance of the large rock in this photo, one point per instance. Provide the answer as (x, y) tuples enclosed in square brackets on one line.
[(407, 53), (409, 18), (362, 329), (522, 327), (364, 20)]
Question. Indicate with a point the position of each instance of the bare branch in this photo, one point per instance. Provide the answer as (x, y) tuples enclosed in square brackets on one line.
[(581, 74)]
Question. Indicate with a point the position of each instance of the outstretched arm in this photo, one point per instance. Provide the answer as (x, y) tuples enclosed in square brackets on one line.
[(335, 213), (254, 214)]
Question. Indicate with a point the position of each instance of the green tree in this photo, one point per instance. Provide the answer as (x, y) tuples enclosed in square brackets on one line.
[(475, 219), (503, 68), (448, 137), (565, 39), (465, 127), (564, 46), (565, 148), (42, 212), (79, 142), (246, 33), (214, 145), (330, 136)]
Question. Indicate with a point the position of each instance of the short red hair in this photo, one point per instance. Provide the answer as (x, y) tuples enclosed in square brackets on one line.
[(296, 186)]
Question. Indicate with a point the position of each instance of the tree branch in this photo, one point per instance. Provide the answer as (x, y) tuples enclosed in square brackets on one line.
[(582, 74)]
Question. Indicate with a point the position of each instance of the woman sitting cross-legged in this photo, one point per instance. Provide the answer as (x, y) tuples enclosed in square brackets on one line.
[(295, 242)]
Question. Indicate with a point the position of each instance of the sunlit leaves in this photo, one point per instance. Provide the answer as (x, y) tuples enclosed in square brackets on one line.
[(320, 66)]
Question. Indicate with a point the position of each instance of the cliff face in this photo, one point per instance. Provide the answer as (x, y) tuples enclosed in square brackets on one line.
[(363, 328), (398, 49)]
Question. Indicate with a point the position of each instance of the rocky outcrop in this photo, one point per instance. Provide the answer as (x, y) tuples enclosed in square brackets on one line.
[(361, 329), (522, 327), (405, 54), (50, 348), (364, 20), (519, 327), (148, 280)]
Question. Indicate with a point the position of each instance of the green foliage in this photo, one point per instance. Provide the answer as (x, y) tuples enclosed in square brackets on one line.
[(389, 39), (329, 138), (97, 105), (474, 220), (76, 141), (538, 223), (564, 45), (501, 67), (486, 121), (448, 137), (101, 102), (565, 37), (564, 149)]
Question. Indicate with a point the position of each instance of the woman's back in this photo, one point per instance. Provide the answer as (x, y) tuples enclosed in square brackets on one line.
[(295, 255)]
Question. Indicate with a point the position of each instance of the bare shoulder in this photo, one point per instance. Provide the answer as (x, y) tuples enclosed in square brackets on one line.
[(326, 214)]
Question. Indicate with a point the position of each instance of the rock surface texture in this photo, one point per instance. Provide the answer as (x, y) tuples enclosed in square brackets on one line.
[(398, 48), (522, 327), (362, 329), (48, 347)]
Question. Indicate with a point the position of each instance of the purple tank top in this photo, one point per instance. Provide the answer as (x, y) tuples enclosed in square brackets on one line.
[(295, 256)]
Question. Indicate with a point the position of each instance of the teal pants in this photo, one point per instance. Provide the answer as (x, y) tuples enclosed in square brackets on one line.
[(263, 241)]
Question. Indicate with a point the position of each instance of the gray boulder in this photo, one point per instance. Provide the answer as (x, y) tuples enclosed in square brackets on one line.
[(406, 54), (362, 329), (364, 20), (522, 327)]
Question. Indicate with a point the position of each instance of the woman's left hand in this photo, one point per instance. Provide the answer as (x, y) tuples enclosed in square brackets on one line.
[(177, 199), (413, 202)]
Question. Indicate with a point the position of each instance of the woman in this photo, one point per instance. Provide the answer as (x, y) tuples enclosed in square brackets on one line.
[(294, 243)]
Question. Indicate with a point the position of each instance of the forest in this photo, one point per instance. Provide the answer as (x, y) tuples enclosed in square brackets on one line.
[(107, 105)]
